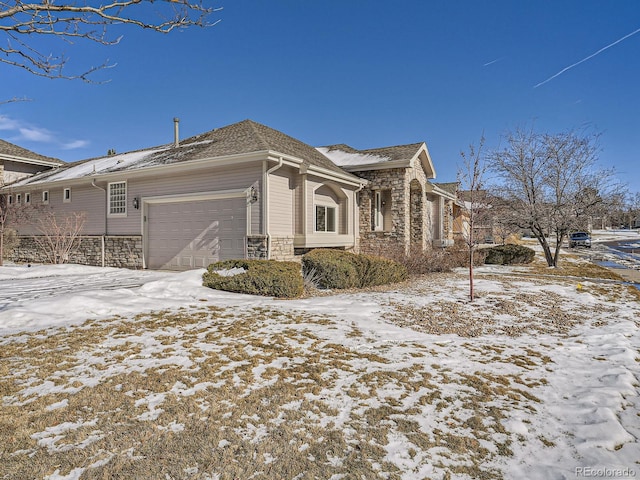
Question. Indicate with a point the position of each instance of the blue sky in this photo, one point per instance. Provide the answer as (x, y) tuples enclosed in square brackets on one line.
[(366, 73)]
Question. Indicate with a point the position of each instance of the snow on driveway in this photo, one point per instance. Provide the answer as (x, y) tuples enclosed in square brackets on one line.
[(23, 283)]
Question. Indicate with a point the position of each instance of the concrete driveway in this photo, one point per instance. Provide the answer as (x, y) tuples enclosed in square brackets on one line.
[(20, 283)]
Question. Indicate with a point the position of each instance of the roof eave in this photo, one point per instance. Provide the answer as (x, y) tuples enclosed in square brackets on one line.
[(377, 166), (320, 171), (32, 161)]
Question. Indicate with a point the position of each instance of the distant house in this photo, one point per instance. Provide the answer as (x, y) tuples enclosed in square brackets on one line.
[(241, 191), (17, 163)]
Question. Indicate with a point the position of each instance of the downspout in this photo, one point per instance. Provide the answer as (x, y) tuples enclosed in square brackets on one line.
[(104, 235), (265, 199), (356, 218)]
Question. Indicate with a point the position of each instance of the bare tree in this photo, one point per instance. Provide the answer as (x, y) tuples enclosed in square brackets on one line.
[(59, 236), (551, 185), (11, 215), (471, 177), (84, 20), (4, 216)]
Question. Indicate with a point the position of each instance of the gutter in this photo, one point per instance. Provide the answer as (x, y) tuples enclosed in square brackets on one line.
[(265, 201), (93, 184)]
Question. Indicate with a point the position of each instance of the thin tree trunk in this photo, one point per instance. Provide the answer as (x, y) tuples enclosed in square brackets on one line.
[(471, 295)]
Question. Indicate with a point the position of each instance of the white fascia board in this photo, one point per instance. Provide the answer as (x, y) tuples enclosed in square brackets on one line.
[(41, 163), (347, 178), (378, 166), (443, 193), (429, 164)]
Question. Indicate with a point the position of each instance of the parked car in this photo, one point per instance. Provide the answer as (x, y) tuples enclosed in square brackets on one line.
[(579, 239)]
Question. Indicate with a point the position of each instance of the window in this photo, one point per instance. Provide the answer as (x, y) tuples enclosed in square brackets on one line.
[(45, 197), (27, 199), (10, 199), (18, 198), (381, 211), (66, 196), (325, 219), (118, 198)]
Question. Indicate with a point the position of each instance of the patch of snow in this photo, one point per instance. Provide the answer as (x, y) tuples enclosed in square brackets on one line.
[(344, 159), (231, 272)]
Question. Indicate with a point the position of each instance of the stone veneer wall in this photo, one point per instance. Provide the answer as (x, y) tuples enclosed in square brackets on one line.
[(257, 247), (282, 248), (120, 251), (394, 180)]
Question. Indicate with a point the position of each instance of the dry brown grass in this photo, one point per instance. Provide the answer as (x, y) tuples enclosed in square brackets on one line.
[(237, 396)]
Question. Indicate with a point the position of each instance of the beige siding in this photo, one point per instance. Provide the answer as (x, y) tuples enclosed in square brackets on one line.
[(85, 197), (281, 201), (316, 192)]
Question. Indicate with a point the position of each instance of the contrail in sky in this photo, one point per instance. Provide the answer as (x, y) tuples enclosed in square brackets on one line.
[(492, 62), (587, 58)]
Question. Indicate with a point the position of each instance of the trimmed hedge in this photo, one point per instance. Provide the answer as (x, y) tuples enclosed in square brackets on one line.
[(340, 269), (508, 255), (261, 277)]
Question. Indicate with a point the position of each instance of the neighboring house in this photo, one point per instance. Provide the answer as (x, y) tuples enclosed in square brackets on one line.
[(399, 207), (17, 163), (241, 191)]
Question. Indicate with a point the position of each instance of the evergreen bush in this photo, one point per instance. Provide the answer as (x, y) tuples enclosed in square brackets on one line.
[(508, 255), (261, 277), (339, 269)]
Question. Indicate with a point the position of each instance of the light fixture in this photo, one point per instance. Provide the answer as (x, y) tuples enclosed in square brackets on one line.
[(136, 203)]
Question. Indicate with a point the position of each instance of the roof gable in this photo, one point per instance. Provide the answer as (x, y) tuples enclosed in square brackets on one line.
[(397, 156)]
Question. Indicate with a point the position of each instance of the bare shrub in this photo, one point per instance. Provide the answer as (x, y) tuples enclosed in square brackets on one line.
[(59, 236), (431, 260), (10, 241)]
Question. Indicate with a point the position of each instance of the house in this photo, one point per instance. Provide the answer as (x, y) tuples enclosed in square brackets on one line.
[(241, 191), (17, 162)]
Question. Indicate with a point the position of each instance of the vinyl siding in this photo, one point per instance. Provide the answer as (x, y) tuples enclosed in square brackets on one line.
[(85, 197), (315, 194), (281, 201)]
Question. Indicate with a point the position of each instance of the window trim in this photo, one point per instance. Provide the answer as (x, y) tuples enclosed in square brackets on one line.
[(9, 199), (18, 198), (27, 198), (112, 202), (326, 208), (381, 199), (66, 195), (45, 197), (110, 196)]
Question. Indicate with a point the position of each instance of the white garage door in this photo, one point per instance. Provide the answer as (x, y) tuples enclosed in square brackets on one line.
[(194, 234)]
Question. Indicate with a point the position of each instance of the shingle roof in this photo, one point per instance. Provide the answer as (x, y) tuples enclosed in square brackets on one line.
[(236, 139), (243, 137), (9, 149), (346, 156)]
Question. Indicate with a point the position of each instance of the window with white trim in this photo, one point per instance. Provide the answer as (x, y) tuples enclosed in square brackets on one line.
[(118, 198), (381, 210), (10, 199), (45, 197), (325, 218), (27, 198), (66, 195)]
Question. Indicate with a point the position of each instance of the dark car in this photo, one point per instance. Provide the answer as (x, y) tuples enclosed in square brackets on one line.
[(579, 239)]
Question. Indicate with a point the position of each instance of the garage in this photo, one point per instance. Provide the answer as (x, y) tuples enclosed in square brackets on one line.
[(183, 234)]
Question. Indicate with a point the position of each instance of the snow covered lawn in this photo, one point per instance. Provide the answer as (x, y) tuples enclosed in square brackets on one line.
[(537, 379)]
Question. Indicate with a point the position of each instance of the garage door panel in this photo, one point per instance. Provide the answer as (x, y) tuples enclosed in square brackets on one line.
[(184, 235)]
